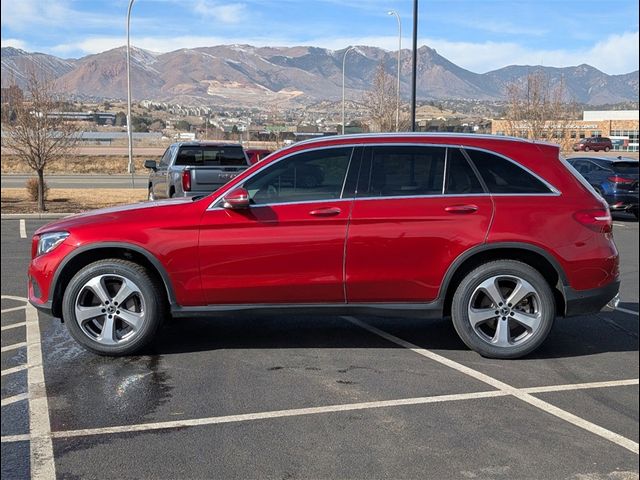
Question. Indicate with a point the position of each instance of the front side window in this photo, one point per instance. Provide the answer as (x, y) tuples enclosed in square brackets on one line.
[(309, 176), (396, 171), (166, 158), (503, 176)]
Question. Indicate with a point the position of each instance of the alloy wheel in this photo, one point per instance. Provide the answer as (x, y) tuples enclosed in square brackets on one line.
[(110, 309), (505, 311)]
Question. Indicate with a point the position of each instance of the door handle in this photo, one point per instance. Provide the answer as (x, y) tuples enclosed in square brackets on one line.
[(461, 209), (325, 212)]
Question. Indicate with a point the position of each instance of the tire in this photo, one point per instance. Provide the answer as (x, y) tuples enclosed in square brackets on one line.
[(606, 149), (89, 305), (150, 196), (476, 302), (586, 149)]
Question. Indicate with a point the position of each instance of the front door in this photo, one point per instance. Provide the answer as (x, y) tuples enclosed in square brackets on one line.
[(288, 246), (417, 208)]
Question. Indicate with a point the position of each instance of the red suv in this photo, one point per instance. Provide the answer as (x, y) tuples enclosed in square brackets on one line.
[(500, 234)]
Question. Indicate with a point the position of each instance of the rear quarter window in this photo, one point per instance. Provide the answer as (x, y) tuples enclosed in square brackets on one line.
[(504, 176)]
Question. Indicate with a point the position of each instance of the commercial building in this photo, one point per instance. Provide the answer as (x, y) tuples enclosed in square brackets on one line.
[(621, 126)]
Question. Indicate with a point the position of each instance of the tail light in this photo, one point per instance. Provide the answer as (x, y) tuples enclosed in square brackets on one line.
[(186, 180), (598, 220), (617, 179)]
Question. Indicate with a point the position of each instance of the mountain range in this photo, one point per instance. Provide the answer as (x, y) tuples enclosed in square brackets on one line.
[(251, 76)]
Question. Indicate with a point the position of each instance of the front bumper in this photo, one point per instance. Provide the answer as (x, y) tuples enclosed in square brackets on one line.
[(585, 302)]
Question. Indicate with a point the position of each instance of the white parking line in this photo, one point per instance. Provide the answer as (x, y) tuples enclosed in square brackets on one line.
[(23, 229), (518, 393), (9, 371), (14, 309), (15, 346), (630, 312), (42, 460), (14, 399), (13, 325), (320, 410), (16, 438)]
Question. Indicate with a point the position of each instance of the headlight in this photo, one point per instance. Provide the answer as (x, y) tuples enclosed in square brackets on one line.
[(49, 241)]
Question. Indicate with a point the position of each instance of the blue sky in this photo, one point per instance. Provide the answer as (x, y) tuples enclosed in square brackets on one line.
[(479, 35)]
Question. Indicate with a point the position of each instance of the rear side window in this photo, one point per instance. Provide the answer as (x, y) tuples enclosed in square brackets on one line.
[(461, 179), (503, 176), (211, 156), (402, 171)]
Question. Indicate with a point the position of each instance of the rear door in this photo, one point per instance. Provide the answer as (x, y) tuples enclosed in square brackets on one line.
[(417, 208)]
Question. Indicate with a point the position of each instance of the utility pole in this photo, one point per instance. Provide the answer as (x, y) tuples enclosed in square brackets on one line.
[(414, 65)]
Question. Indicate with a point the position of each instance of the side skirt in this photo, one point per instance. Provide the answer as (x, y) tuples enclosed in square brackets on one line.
[(422, 310)]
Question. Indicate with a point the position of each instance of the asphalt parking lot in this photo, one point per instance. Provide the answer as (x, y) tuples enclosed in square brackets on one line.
[(318, 397)]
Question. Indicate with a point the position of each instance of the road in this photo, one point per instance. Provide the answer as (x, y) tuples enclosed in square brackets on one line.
[(318, 397), (77, 181)]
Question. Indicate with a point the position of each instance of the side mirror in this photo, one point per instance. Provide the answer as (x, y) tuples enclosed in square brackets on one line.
[(236, 199), (151, 164)]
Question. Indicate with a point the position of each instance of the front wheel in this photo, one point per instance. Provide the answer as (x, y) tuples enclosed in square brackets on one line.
[(113, 307), (503, 309)]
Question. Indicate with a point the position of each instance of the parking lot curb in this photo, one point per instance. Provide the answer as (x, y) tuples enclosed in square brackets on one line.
[(38, 216)]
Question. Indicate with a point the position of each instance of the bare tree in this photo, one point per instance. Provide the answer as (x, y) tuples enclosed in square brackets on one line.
[(34, 133), (381, 101), (540, 110)]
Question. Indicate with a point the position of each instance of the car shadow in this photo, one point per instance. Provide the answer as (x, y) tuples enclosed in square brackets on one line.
[(570, 337)]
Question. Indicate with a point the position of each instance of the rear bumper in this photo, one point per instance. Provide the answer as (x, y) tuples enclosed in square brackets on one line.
[(584, 302), (620, 201)]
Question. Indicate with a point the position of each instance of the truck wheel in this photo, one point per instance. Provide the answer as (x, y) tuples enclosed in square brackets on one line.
[(114, 307), (503, 309), (150, 196)]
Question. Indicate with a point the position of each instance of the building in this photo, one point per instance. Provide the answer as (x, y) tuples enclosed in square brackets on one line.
[(621, 126)]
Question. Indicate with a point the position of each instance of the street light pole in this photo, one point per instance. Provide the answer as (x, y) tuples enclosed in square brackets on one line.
[(130, 167), (414, 66), (344, 60), (393, 12)]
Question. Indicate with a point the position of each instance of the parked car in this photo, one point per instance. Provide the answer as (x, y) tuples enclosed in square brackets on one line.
[(615, 179), (194, 168), (256, 154), (500, 234), (593, 143)]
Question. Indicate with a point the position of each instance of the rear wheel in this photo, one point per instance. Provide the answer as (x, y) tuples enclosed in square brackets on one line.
[(114, 307), (503, 309), (606, 149), (586, 149)]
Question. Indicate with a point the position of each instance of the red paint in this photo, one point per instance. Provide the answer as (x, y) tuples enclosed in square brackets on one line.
[(376, 250)]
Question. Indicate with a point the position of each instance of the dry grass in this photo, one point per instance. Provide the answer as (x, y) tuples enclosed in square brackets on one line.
[(15, 200), (79, 164)]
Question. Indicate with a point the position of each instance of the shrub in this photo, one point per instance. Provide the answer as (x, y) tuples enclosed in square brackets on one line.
[(32, 189)]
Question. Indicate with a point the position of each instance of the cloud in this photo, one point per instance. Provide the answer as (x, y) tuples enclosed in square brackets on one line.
[(15, 43), (24, 15), (226, 13), (616, 54)]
